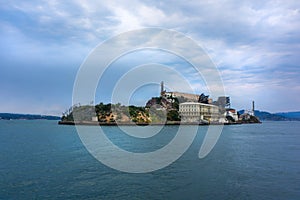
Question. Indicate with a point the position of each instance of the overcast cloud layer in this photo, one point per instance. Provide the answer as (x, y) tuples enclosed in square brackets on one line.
[(255, 45)]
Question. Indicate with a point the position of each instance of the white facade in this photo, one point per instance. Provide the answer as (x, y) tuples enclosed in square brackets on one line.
[(198, 112), (233, 114), (94, 119)]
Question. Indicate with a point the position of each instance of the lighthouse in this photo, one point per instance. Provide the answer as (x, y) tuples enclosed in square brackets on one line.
[(162, 88)]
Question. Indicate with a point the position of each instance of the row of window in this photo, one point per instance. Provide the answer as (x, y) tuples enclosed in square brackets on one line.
[(194, 110)]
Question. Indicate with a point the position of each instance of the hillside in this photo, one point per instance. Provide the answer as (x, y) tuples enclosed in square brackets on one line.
[(9, 116), (266, 116), (291, 115), (154, 112)]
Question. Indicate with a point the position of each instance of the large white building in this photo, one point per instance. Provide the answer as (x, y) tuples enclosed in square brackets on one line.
[(198, 112)]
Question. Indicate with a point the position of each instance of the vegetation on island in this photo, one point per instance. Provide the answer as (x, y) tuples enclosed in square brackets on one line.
[(112, 113), (157, 110)]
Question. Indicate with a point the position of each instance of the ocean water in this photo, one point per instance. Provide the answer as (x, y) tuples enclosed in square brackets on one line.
[(42, 160)]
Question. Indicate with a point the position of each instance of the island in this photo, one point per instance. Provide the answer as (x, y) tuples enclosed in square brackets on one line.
[(169, 108)]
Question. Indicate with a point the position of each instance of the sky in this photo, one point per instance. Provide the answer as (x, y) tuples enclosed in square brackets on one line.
[(255, 46)]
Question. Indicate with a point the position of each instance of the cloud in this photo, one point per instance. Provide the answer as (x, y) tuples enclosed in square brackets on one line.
[(255, 44)]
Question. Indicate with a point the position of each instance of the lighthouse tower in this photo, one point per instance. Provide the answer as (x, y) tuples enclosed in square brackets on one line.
[(162, 89)]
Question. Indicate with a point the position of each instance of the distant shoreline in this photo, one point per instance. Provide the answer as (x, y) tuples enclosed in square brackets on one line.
[(15, 116)]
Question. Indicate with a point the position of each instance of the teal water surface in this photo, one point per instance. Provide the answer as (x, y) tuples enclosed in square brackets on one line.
[(42, 160)]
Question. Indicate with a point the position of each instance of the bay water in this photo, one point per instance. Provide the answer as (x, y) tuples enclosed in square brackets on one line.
[(43, 160)]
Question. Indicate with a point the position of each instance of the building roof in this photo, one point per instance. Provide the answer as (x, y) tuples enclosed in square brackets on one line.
[(197, 103)]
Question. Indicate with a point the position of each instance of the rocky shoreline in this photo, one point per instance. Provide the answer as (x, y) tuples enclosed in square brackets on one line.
[(92, 123)]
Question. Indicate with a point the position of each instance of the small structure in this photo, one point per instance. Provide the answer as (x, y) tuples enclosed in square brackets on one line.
[(231, 115), (249, 116), (198, 112), (94, 119), (249, 112)]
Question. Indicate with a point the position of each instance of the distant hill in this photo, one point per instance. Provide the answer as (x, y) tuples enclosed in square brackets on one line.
[(292, 115), (8, 116), (266, 116)]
